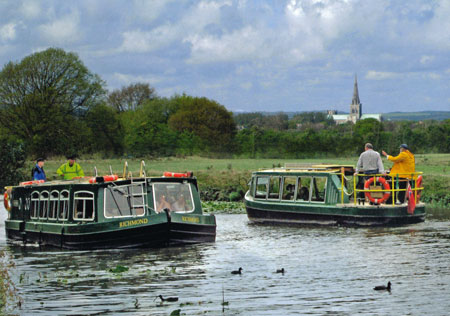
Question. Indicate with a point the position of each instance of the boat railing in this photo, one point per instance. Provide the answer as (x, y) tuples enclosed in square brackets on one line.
[(393, 188)]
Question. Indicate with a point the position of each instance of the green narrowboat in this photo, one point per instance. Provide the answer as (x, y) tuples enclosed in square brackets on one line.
[(108, 212), (327, 195)]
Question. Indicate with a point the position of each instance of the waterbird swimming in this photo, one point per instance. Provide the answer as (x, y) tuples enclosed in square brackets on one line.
[(280, 271), (383, 287), (237, 271), (168, 299)]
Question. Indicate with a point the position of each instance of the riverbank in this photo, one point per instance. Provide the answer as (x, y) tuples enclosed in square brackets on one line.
[(227, 180)]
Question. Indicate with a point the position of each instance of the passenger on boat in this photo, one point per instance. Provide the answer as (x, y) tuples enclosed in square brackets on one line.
[(369, 162), (162, 203), (289, 195), (180, 204), (70, 169), (38, 172), (404, 167)]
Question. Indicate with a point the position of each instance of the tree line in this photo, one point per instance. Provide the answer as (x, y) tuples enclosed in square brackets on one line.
[(51, 104)]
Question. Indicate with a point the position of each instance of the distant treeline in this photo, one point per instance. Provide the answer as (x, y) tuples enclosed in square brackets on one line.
[(51, 104)]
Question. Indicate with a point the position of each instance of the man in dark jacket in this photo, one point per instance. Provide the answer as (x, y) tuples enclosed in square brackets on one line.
[(38, 170)]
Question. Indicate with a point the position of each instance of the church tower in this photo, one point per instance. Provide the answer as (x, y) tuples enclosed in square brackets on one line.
[(356, 106)]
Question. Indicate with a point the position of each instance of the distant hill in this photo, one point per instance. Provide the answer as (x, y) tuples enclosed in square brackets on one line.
[(416, 116)]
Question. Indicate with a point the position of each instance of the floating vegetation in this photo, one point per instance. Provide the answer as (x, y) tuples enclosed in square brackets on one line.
[(119, 269), (176, 312), (217, 207), (9, 296)]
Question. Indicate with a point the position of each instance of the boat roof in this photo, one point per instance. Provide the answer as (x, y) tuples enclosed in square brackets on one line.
[(309, 168)]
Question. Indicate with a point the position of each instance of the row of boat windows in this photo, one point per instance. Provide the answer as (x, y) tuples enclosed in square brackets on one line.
[(289, 188), (119, 201), (55, 205)]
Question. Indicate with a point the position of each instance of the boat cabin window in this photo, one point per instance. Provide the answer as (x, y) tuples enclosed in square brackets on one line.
[(318, 188), (43, 204), (83, 205), (274, 187), (125, 200), (289, 188), (53, 209), (34, 206), (261, 187), (303, 188), (63, 213), (177, 197)]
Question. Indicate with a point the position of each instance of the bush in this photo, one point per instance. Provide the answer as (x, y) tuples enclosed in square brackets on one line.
[(12, 160)]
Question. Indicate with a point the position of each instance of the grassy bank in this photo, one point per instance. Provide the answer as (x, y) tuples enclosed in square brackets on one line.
[(227, 179)]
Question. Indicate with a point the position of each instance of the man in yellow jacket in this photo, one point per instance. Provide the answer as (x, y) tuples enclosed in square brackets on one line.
[(404, 166), (70, 169)]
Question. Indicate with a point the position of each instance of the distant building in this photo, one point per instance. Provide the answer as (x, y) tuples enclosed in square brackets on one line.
[(355, 110)]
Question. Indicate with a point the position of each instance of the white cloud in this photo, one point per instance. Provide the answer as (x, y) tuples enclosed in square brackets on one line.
[(126, 79), (426, 59), (8, 32), (30, 9), (138, 41), (243, 44), (63, 30), (380, 75)]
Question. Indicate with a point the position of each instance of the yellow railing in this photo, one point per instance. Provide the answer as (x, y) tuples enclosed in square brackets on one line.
[(395, 180)]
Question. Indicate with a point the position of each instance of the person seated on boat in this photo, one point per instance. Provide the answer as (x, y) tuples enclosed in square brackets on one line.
[(403, 168), (70, 169), (38, 172), (303, 194), (289, 194), (369, 163), (180, 204), (162, 203)]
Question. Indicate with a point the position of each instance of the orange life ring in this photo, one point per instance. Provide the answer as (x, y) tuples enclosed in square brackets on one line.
[(418, 185), (178, 175), (107, 178), (6, 201), (32, 182), (385, 186)]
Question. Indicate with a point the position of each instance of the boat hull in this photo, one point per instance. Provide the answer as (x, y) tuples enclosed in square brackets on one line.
[(335, 215), (192, 228), (162, 231)]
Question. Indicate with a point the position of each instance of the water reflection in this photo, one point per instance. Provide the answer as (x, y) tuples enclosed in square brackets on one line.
[(328, 270)]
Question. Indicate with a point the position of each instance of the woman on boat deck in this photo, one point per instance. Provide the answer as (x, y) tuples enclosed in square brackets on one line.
[(70, 169), (404, 166), (38, 172), (162, 203)]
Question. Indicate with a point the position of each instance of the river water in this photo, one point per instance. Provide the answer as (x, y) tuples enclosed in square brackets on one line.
[(328, 271)]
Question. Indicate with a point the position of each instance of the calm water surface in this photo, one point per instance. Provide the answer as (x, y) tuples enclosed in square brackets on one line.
[(328, 271)]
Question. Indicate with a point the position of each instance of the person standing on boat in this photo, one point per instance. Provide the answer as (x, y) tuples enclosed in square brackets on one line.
[(403, 168), (38, 172), (369, 162), (70, 169)]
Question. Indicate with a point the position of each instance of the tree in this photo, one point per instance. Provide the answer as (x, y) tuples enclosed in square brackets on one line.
[(12, 160), (131, 97), (206, 119), (42, 96)]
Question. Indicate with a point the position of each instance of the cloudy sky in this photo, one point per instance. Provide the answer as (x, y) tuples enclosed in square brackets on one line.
[(293, 55)]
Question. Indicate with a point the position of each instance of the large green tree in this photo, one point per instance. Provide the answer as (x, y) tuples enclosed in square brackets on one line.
[(43, 96), (206, 119)]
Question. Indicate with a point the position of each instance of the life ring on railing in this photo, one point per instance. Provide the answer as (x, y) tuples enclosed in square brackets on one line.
[(32, 182), (418, 185), (107, 178), (385, 186), (6, 202), (178, 175)]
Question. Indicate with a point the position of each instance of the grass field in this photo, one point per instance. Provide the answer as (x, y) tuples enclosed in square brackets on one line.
[(230, 175), (431, 164)]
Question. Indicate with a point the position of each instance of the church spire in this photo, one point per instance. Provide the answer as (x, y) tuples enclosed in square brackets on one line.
[(355, 99)]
